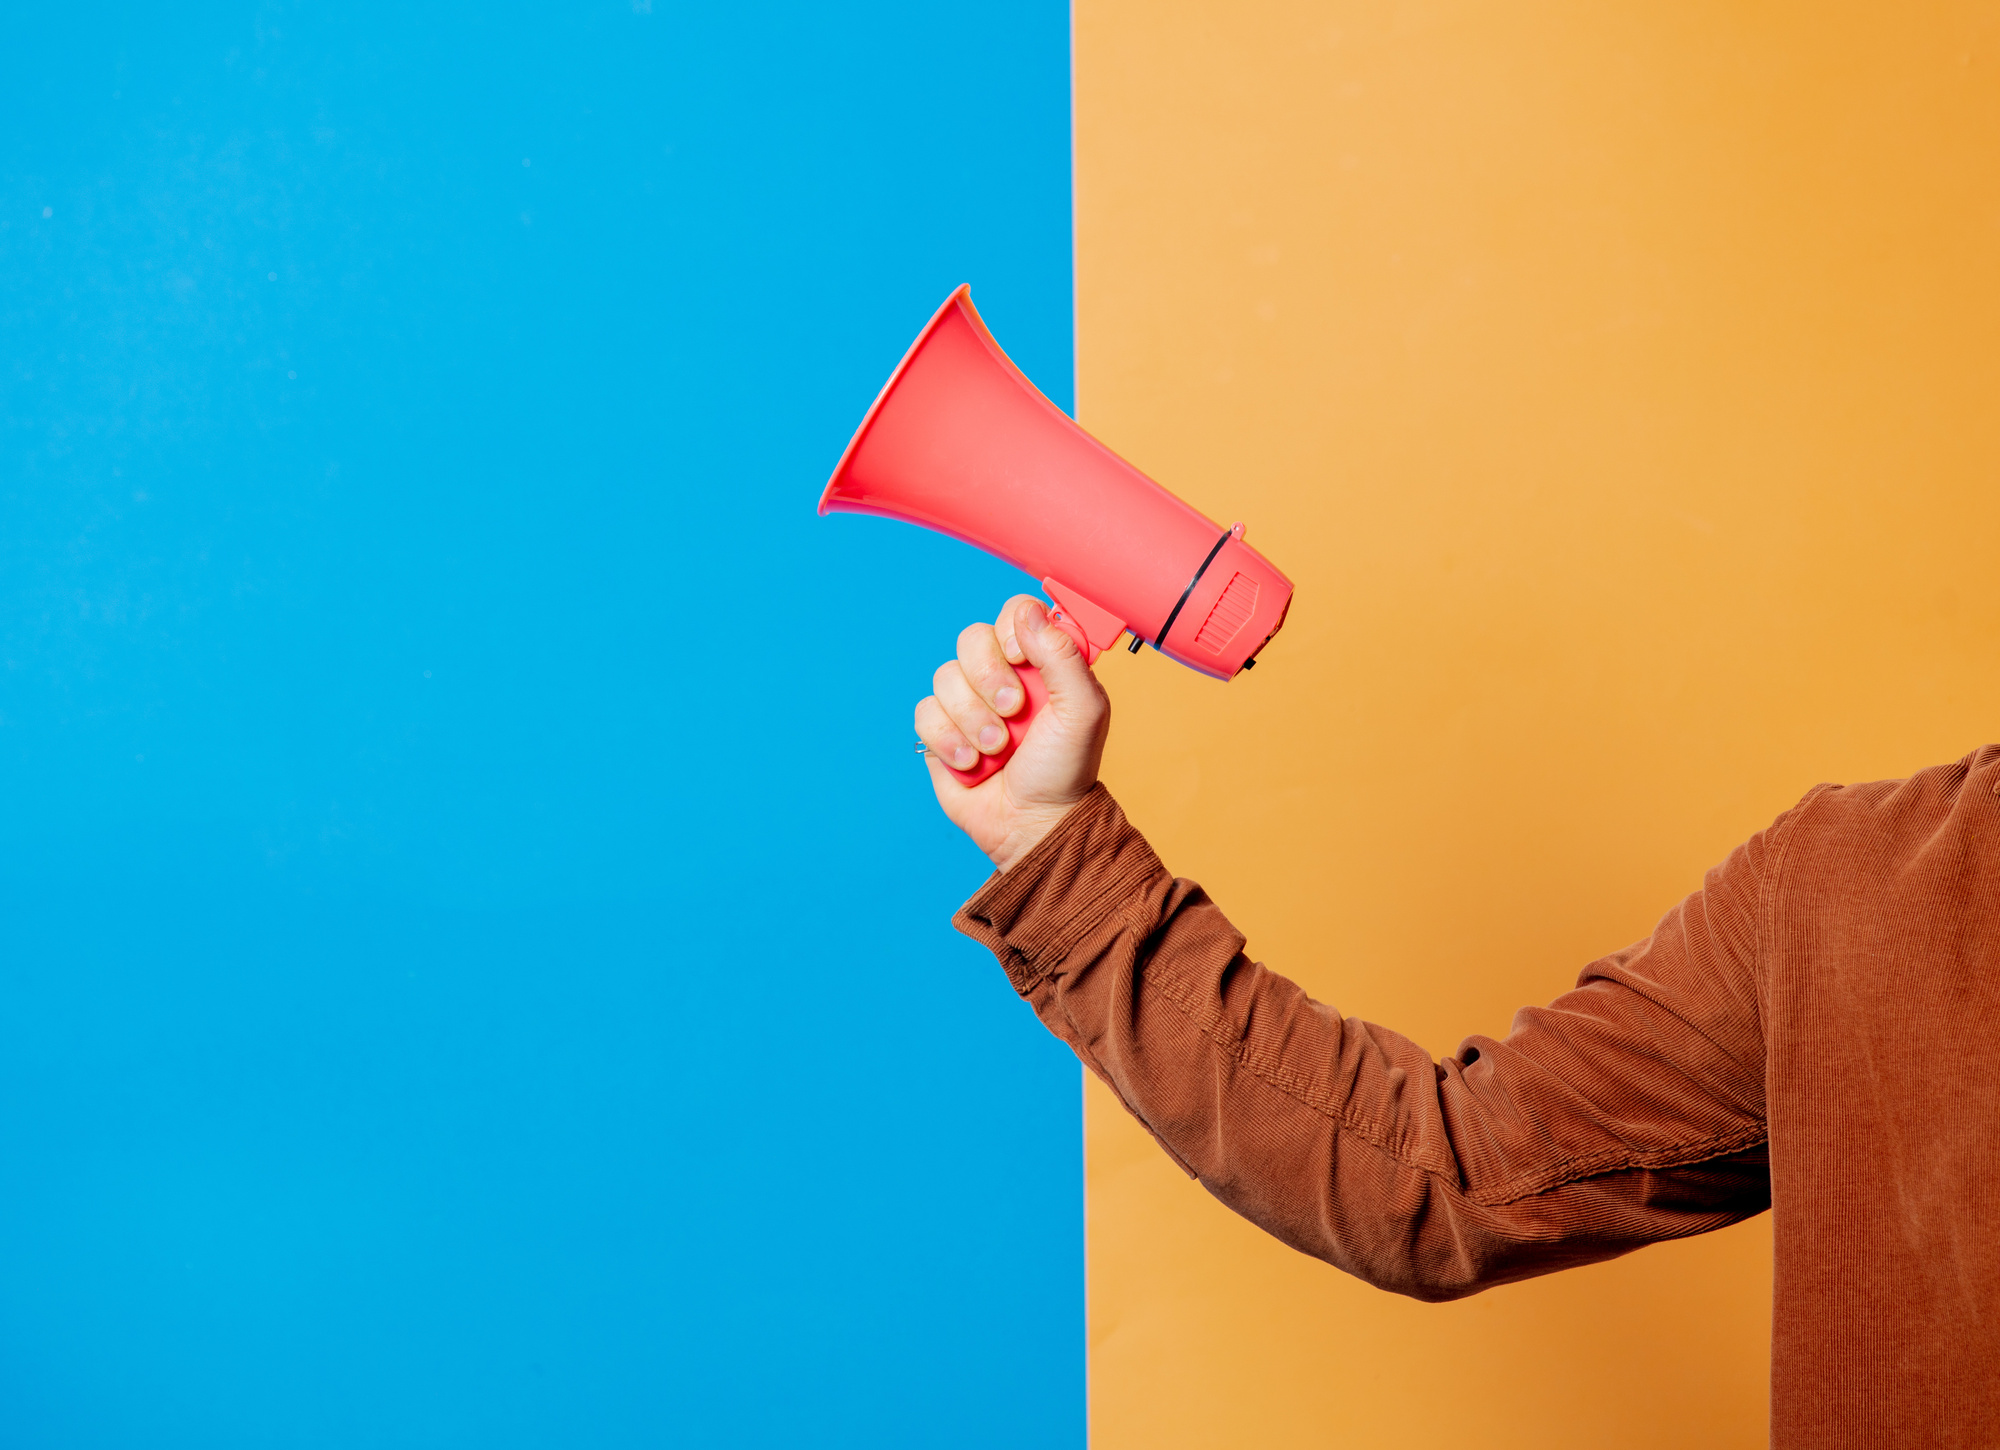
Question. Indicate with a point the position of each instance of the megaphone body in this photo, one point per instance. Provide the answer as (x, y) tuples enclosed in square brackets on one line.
[(961, 442)]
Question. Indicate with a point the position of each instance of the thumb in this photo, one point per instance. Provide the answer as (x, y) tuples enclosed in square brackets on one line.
[(1049, 649)]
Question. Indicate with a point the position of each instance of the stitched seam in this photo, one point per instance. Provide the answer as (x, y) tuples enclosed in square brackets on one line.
[(1767, 895), (1005, 896), (1090, 1060), (1294, 1085), (1025, 973), (1111, 900)]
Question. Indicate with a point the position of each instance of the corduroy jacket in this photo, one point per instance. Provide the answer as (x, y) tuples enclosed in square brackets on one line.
[(1815, 1031)]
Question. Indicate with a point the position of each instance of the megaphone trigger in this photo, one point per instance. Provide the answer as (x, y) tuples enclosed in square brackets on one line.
[(1097, 628), (1076, 632)]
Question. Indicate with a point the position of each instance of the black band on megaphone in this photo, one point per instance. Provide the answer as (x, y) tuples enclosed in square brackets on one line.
[(1226, 533)]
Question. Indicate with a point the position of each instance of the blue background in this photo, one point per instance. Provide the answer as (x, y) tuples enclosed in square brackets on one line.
[(476, 964)]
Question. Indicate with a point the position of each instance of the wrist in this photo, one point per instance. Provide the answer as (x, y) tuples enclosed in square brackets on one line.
[(1028, 830)]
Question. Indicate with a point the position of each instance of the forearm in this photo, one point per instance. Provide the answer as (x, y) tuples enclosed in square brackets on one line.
[(1341, 1138)]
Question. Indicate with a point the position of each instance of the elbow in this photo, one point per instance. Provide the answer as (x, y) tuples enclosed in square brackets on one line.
[(1426, 1281), (1396, 1259), (1455, 1267), (1429, 1253), (1440, 1292)]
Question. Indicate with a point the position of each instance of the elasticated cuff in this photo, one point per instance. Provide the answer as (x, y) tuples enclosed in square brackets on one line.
[(1063, 891)]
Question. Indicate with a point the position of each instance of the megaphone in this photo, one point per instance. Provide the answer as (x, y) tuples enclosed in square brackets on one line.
[(961, 442)]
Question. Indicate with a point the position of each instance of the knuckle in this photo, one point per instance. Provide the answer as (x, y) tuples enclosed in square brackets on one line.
[(939, 733), (971, 722), (964, 702)]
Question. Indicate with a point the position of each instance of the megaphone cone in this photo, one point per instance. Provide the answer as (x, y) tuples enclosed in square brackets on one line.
[(961, 442)]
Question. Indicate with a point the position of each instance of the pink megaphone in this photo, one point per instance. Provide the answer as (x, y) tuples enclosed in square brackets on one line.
[(960, 441)]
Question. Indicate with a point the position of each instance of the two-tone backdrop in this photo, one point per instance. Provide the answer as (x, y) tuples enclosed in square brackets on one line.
[(473, 953)]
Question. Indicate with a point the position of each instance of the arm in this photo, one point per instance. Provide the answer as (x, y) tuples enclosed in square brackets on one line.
[(1629, 1110)]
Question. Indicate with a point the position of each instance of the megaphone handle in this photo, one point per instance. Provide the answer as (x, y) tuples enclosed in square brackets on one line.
[(1037, 695)]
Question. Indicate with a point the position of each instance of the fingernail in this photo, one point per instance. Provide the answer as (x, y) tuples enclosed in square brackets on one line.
[(962, 758), (1034, 618), (990, 737), (1005, 699), (1011, 647)]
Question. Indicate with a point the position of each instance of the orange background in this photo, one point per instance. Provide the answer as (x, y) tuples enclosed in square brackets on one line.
[(1618, 385)]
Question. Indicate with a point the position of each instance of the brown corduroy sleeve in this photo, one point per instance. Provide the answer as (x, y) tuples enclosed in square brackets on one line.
[(1627, 1111)]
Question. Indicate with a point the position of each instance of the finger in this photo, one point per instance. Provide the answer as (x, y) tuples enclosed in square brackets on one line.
[(985, 666), (1008, 630), (1073, 691), (943, 739), (973, 716)]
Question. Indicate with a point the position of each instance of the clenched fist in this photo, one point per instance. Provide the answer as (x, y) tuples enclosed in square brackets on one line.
[(1056, 764)]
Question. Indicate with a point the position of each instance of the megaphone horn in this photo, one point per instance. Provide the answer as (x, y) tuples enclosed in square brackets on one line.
[(961, 442)]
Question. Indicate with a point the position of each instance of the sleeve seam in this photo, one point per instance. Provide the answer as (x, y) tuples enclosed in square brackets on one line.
[(1767, 893), (1043, 951), (1569, 1170)]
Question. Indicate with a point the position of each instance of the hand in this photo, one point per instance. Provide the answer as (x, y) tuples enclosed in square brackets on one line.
[(1007, 813)]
